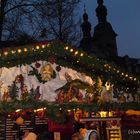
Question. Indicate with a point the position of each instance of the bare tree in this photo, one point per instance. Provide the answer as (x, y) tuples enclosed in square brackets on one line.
[(63, 23), (48, 19), (18, 17)]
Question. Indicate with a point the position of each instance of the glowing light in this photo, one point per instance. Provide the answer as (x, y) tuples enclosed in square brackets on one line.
[(103, 113), (131, 78), (37, 47), (66, 48), (135, 79), (13, 51), (5, 53), (18, 110), (81, 54), (71, 50), (43, 46), (19, 50), (126, 75), (40, 109), (107, 85), (25, 49), (69, 110), (76, 52), (118, 71), (122, 73), (105, 65)]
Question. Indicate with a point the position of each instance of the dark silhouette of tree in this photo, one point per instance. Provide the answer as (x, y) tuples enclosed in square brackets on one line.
[(19, 17), (62, 23), (33, 19)]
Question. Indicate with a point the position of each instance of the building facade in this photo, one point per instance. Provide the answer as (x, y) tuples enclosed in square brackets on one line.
[(103, 41)]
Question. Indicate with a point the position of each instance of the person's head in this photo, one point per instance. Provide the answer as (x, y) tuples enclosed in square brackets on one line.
[(82, 132), (76, 136), (93, 135)]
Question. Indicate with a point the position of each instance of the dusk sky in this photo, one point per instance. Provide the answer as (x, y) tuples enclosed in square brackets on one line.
[(124, 16)]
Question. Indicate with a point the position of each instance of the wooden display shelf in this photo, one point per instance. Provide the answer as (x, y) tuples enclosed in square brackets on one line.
[(114, 133)]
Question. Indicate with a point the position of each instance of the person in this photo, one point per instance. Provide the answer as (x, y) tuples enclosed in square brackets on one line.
[(28, 135), (91, 135), (76, 136)]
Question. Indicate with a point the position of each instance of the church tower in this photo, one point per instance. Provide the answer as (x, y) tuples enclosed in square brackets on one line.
[(86, 30), (104, 37)]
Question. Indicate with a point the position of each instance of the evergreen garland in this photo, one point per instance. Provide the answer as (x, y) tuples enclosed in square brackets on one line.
[(58, 113)]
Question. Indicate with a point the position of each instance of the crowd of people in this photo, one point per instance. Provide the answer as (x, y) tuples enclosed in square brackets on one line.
[(42, 133)]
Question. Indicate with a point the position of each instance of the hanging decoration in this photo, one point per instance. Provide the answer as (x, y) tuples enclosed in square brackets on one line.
[(46, 73), (19, 120)]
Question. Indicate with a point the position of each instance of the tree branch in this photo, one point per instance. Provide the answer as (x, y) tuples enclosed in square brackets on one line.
[(21, 5)]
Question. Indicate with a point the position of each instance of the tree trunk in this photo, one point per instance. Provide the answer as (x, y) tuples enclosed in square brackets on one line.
[(2, 8)]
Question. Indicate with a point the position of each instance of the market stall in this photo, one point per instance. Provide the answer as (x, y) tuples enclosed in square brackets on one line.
[(53, 83)]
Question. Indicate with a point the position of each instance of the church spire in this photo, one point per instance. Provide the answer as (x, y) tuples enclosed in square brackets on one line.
[(86, 26), (101, 11)]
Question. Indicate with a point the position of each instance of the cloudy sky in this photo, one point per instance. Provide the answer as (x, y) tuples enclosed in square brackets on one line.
[(124, 16)]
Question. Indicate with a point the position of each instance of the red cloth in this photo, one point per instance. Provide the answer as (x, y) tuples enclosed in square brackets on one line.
[(56, 127)]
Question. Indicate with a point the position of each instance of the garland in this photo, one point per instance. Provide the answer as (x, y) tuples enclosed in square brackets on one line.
[(66, 56), (69, 57), (53, 111)]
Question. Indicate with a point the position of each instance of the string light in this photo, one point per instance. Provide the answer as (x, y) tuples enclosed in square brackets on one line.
[(13, 51), (66, 48), (19, 50), (135, 79), (43, 46), (76, 52), (69, 110), (25, 49), (71, 50), (37, 47), (105, 65), (109, 67), (126, 75), (5, 53), (118, 71), (122, 74), (130, 78)]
